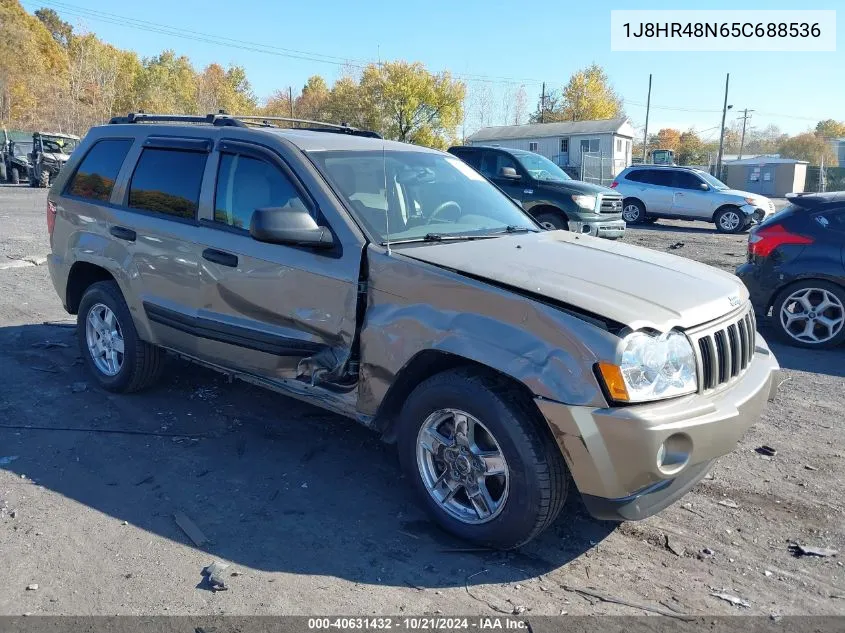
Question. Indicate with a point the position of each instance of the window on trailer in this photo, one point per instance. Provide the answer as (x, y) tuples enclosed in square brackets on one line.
[(532, 146)]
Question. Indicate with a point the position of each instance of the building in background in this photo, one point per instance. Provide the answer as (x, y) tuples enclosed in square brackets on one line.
[(766, 175), (591, 150)]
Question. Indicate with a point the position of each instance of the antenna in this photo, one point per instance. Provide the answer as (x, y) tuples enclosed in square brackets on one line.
[(386, 199)]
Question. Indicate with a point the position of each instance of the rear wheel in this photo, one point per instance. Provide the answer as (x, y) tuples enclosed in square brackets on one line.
[(730, 220), (553, 221), (479, 458), (14, 176), (810, 314), (44, 179), (633, 212), (114, 354)]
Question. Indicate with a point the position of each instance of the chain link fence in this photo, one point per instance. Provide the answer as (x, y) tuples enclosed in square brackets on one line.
[(599, 169), (825, 179)]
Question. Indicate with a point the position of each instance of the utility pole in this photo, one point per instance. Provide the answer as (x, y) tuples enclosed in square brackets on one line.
[(290, 100), (725, 109), (543, 104), (647, 109), (745, 116)]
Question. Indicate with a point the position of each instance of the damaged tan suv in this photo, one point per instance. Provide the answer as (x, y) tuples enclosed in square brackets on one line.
[(394, 285)]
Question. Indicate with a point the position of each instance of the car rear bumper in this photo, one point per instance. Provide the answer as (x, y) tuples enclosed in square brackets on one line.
[(599, 228), (58, 275), (613, 454)]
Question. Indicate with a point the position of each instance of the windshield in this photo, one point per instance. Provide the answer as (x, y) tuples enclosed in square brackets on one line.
[(21, 149), (540, 167), (711, 180), (59, 145), (426, 194)]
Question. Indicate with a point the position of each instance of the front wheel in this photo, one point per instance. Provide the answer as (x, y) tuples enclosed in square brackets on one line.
[(730, 220), (810, 314), (15, 176), (552, 222), (115, 356), (479, 458)]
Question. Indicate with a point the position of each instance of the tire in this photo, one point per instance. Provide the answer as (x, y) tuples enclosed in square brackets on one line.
[(44, 179), (536, 480), (140, 364), (14, 176), (633, 211), (729, 220), (802, 299), (553, 221)]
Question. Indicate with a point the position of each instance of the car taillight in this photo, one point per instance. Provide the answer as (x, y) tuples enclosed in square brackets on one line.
[(51, 217), (767, 238), (614, 184)]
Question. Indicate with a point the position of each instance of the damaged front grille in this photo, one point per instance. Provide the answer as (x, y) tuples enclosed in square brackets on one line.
[(725, 350)]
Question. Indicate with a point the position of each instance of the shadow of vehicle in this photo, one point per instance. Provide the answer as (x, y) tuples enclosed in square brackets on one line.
[(821, 361), (274, 484), (664, 227)]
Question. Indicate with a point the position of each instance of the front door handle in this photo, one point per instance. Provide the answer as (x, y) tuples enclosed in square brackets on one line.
[(122, 233), (220, 257)]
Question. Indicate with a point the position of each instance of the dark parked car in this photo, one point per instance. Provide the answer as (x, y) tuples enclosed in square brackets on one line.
[(796, 270), (546, 192)]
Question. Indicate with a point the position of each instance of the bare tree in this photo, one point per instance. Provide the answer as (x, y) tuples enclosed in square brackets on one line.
[(520, 106)]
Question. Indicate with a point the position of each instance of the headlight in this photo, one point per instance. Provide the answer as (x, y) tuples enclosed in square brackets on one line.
[(585, 202), (652, 368)]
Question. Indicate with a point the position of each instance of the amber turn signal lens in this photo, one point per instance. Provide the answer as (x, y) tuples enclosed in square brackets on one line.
[(613, 381)]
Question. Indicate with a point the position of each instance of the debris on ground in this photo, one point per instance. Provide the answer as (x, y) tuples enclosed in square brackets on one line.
[(190, 529), (32, 587), (768, 451), (672, 546), (728, 503), (805, 550), (49, 345), (706, 553), (808, 467), (767, 573), (633, 605), (13, 514), (214, 576), (676, 246), (734, 600), (518, 609), (124, 523), (5, 461), (79, 387)]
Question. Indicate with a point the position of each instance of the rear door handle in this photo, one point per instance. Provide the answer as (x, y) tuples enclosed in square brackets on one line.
[(122, 233), (220, 257)]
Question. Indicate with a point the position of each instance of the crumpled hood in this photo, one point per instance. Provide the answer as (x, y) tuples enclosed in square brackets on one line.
[(635, 286)]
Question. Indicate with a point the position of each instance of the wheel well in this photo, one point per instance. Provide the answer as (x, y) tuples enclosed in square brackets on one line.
[(723, 208), (792, 284), (420, 368), (547, 208), (633, 199), (82, 275)]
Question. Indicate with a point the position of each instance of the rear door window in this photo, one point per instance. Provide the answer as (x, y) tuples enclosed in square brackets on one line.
[(95, 177), (661, 177), (470, 157), (168, 181)]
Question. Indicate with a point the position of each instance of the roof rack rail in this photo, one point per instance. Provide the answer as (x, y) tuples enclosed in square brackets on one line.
[(220, 119), (223, 119)]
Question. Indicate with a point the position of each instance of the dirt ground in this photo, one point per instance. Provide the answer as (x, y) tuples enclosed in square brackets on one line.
[(312, 514)]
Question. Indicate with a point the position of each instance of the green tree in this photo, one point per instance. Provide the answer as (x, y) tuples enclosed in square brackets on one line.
[(311, 102), (830, 128), (413, 104), (167, 84), (229, 90), (808, 147), (667, 138), (61, 31), (587, 96), (691, 150)]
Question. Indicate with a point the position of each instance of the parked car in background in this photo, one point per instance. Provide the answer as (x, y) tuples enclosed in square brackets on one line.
[(795, 271), (50, 152), (15, 160), (651, 192), (393, 284), (546, 192)]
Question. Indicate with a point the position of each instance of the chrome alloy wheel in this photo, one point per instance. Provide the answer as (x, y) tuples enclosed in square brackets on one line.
[(812, 315), (730, 221), (631, 213), (462, 466), (105, 339)]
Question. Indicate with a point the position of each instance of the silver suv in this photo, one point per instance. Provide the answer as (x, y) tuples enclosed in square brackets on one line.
[(650, 192), (394, 285)]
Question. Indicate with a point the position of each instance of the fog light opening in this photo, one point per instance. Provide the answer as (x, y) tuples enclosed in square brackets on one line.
[(585, 228), (674, 453)]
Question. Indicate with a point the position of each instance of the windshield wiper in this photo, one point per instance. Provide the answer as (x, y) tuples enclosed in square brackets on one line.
[(437, 237), (511, 228)]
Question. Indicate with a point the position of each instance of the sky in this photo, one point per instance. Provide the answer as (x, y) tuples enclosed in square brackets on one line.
[(498, 44)]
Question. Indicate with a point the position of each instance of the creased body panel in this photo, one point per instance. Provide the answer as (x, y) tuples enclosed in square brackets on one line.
[(413, 307)]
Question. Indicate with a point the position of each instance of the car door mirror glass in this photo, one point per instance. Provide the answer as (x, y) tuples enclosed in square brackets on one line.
[(282, 225), (704, 186), (509, 173)]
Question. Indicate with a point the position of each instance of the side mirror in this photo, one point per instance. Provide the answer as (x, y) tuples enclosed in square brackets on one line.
[(509, 173), (279, 225), (704, 186)]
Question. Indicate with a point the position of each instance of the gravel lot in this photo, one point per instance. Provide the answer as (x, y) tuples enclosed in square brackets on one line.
[(312, 511)]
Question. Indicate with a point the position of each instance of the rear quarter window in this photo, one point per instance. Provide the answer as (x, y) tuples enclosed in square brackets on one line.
[(168, 181), (95, 177)]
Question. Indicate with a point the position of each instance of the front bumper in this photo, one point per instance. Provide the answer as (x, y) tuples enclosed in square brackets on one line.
[(612, 453), (756, 214), (599, 228)]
